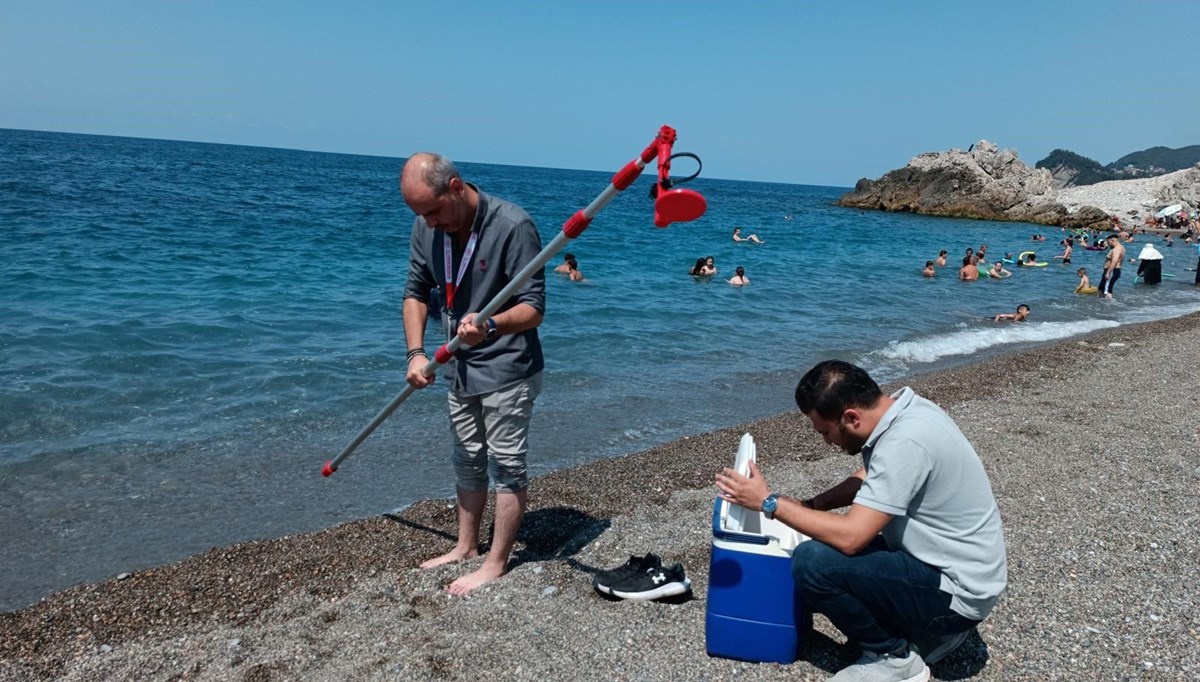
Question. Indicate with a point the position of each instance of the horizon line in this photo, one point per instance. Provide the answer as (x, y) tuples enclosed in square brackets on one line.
[(385, 156)]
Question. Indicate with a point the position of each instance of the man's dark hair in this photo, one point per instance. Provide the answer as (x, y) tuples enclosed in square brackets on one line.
[(834, 386)]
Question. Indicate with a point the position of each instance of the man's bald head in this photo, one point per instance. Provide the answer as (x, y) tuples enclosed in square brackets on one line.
[(433, 189), (431, 171)]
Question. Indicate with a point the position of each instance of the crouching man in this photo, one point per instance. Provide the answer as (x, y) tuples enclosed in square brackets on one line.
[(918, 561)]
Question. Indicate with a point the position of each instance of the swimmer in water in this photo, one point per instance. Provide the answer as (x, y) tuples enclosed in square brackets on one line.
[(739, 278), (1020, 316), (564, 266), (998, 270), (968, 272), (574, 273), (737, 236), (941, 259), (929, 271)]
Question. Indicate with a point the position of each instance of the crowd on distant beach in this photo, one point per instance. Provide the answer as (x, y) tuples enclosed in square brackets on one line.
[(975, 262)]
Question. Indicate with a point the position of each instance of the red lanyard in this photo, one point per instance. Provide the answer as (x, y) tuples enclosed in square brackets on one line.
[(452, 282)]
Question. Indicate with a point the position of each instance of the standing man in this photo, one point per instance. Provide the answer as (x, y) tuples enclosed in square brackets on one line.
[(472, 245), (1112, 265), (920, 556)]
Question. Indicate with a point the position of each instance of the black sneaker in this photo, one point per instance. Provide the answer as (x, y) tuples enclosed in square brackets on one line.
[(604, 580), (937, 648), (655, 582)]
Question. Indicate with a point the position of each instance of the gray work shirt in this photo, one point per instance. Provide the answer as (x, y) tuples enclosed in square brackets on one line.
[(922, 470), (507, 241)]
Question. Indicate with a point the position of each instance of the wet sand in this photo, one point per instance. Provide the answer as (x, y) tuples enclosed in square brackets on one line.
[(1092, 448)]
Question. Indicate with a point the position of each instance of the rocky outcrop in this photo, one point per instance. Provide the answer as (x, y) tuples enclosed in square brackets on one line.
[(984, 182)]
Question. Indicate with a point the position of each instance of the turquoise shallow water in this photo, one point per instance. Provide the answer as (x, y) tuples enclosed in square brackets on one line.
[(190, 330)]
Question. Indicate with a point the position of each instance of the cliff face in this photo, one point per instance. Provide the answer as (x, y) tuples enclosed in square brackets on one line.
[(1183, 188), (985, 183)]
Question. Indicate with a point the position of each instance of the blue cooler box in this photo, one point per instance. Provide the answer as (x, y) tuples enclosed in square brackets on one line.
[(753, 612)]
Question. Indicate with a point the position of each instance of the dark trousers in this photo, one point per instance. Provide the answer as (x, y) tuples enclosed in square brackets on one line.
[(1107, 281), (879, 598)]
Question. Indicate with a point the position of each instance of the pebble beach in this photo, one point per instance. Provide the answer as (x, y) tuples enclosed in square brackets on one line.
[(1091, 445)]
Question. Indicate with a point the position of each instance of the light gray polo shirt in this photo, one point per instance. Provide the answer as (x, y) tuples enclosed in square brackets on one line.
[(922, 470), (508, 240)]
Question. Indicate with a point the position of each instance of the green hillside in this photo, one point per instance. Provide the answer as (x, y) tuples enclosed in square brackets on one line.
[(1164, 158), (1070, 168), (1087, 171)]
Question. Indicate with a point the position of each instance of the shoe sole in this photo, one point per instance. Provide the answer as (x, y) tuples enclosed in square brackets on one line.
[(667, 590), (605, 588)]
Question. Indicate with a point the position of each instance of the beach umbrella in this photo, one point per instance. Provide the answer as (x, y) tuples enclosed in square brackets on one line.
[(1170, 210), (670, 206)]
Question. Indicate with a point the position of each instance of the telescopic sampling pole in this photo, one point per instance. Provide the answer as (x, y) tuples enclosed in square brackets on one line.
[(670, 205)]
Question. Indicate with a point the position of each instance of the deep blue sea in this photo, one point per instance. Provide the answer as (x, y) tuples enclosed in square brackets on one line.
[(189, 331)]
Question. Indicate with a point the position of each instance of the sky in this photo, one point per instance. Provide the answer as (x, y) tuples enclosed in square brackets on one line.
[(797, 92)]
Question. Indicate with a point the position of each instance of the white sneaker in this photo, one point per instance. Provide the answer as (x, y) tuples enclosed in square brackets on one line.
[(873, 667)]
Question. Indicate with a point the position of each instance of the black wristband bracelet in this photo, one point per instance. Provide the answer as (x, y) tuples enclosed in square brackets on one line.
[(414, 352)]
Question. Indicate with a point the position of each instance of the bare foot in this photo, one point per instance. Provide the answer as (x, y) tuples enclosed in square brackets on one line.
[(453, 555), (485, 574)]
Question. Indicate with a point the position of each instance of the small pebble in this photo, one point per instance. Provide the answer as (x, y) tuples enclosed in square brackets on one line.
[(549, 591), (122, 576)]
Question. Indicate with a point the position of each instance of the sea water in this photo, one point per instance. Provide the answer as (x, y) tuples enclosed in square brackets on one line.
[(189, 331)]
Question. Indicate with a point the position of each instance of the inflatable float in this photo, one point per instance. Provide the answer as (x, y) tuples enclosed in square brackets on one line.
[(1023, 263)]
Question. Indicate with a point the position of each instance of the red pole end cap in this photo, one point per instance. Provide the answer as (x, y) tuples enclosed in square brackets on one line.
[(328, 469), (678, 206)]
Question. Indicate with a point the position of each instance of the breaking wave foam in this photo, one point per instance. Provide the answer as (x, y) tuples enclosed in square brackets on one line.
[(968, 341)]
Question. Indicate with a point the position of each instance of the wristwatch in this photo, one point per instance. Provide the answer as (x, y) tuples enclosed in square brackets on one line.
[(491, 329), (769, 505)]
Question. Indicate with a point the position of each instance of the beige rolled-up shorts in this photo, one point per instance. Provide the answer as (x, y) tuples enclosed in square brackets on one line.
[(491, 435)]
